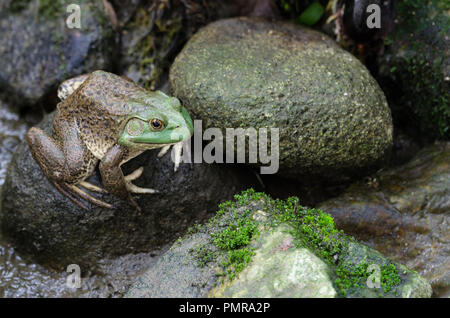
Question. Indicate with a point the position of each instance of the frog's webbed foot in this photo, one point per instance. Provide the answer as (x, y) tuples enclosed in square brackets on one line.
[(133, 188), (178, 151), (72, 192)]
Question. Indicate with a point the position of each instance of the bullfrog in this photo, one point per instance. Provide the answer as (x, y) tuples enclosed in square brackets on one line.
[(104, 119)]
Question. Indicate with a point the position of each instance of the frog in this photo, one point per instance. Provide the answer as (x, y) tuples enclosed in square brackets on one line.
[(104, 120)]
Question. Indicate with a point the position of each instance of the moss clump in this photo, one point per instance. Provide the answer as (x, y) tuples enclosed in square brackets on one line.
[(350, 276), (312, 228), (234, 240), (203, 255), (236, 235), (389, 277)]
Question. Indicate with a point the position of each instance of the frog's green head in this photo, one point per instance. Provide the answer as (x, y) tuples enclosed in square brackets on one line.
[(156, 120)]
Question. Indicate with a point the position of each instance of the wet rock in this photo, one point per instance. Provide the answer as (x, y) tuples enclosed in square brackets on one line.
[(38, 51), (12, 132), (414, 70), (333, 118), (23, 278), (41, 222), (259, 247), (403, 213)]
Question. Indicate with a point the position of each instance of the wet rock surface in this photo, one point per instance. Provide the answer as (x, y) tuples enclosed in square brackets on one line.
[(253, 248), (43, 223), (403, 213), (333, 118), (38, 51), (21, 277), (12, 132)]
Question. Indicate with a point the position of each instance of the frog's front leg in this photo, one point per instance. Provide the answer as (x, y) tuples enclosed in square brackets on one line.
[(113, 179)]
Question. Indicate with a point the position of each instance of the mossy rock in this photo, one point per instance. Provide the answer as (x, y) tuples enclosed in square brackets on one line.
[(414, 69), (259, 247), (333, 118)]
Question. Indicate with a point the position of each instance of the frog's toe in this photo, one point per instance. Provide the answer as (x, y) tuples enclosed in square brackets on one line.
[(133, 203), (66, 192), (163, 151), (85, 196), (92, 187), (135, 174), (135, 189), (177, 152)]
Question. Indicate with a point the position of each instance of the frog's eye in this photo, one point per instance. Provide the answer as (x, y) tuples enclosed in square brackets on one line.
[(156, 124)]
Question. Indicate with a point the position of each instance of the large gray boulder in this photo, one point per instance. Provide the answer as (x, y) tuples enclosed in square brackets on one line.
[(333, 118)]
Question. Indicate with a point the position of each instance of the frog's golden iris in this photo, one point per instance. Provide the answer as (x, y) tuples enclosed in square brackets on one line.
[(157, 124)]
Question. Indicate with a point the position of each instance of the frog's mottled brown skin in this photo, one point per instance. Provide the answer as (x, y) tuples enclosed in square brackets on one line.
[(92, 124)]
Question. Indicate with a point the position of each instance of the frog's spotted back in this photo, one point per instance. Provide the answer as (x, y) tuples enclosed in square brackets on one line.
[(107, 91)]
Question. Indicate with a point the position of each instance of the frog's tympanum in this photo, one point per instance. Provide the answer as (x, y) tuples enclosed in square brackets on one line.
[(107, 118)]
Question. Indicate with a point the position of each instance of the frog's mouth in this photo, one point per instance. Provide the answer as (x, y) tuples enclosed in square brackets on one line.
[(164, 137)]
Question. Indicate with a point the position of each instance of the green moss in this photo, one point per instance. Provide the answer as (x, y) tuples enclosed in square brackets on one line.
[(237, 260), (235, 238), (389, 277), (48, 9), (350, 276), (236, 235), (203, 255), (312, 228)]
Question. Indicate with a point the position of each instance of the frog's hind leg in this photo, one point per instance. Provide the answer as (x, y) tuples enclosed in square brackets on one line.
[(65, 161)]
